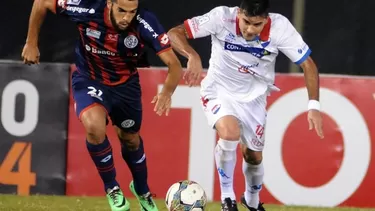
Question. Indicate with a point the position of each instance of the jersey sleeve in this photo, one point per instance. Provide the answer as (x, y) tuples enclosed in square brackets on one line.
[(291, 43), (204, 25), (153, 33)]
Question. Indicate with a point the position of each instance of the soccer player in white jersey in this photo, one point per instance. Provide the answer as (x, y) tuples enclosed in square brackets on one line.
[(245, 43)]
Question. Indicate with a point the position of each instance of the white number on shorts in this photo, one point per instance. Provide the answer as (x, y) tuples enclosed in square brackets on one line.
[(97, 93)]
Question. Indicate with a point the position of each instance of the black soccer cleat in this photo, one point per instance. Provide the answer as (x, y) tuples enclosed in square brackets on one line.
[(244, 203), (229, 205)]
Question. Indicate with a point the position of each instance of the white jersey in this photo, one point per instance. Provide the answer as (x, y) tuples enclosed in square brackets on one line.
[(240, 69)]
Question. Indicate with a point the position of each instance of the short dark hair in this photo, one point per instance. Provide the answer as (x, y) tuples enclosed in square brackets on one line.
[(255, 7)]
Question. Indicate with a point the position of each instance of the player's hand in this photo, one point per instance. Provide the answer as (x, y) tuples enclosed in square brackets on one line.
[(315, 121), (193, 71), (30, 54), (162, 103)]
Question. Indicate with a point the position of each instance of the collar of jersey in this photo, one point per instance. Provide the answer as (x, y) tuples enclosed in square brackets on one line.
[(264, 34)]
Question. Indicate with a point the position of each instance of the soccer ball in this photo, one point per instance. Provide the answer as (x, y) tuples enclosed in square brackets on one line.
[(186, 196)]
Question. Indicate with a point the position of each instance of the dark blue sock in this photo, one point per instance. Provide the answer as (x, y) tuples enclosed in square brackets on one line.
[(136, 161), (102, 156)]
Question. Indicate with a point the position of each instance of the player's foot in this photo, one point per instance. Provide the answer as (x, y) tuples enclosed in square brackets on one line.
[(145, 201), (229, 205), (116, 200), (260, 206)]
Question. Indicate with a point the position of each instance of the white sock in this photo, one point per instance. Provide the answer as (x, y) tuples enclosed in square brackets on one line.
[(253, 179), (226, 157)]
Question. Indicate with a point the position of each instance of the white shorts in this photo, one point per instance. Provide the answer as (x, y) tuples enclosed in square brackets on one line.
[(251, 116)]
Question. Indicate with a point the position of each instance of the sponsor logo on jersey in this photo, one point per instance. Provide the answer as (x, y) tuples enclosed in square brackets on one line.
[(257, 52), (198, 21), (98, 51), (303, 49), (202, 19), (80, 10), (164, 40), (147, 26), (230, 37), (111, 37), (248, 68), (93, 33)]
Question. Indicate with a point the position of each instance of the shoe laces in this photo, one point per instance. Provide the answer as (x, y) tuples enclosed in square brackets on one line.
[(148, 197), (114, 193), (228, 204)]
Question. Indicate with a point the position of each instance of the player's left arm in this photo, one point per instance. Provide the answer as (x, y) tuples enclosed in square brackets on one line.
[(294, 47), (156, 37), (312, 84), (311, 79)]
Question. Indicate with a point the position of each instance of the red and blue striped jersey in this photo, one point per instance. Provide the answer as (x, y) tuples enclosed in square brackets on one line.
[(103, 53)]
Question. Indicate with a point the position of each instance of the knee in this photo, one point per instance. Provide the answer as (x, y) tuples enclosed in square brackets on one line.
[(130, 140), (95, 126), (252, 157), (253, 161), (230, 134), (95, 134), (229, 129)]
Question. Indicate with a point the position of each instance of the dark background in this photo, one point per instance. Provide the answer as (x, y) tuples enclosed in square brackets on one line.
[(48, 150), (339, 32)]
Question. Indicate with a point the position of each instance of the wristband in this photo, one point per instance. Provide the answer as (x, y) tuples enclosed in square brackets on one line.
[(313, 105)]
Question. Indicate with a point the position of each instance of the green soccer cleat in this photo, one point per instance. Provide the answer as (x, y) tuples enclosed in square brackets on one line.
[(145, 202), (116, 200)]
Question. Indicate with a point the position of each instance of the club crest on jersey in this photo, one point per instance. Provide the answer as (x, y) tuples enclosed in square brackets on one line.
[(257, 52), (131, 41)]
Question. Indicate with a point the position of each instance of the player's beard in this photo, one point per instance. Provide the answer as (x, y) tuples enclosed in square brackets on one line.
[(113, 21)]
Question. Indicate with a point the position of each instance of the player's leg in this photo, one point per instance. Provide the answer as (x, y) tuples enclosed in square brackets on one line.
[(91, 108), (127, 116), (229, 131), (253, 118), (221, 116), (253, 171), (135, 157)]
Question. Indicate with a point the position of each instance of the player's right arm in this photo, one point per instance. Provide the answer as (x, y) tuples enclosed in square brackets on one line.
[(196, 27), (30, 53)]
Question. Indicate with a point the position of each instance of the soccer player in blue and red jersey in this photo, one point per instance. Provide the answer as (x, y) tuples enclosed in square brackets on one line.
[(113, 35)]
